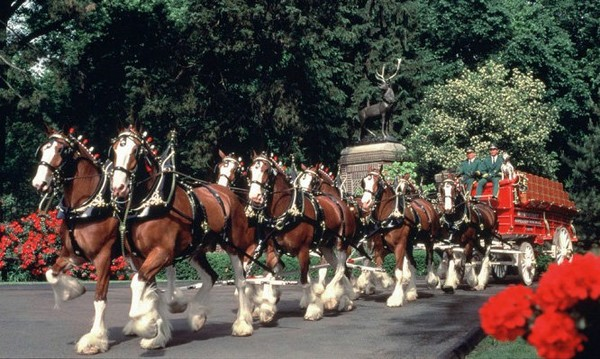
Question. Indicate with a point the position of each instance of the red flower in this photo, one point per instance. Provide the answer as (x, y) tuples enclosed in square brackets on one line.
[(505, 315), (567, 284), (554, 335)]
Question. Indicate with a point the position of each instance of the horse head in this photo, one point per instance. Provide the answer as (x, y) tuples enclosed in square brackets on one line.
[(127, 151), (406, 186), (58, 156), (373, 185), (451, 196), (228, 169), (262, 173), (309, 179)]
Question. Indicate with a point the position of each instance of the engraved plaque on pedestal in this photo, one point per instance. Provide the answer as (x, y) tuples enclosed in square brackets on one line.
[(356, 161)]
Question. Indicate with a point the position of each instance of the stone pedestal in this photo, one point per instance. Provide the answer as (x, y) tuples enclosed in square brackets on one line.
[(356, 161)]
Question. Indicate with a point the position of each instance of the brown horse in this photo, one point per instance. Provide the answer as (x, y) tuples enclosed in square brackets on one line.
[(229, 172), (395, 221), (341, 218), (168, 219), (466, 222), (294, 223), (88, 229)]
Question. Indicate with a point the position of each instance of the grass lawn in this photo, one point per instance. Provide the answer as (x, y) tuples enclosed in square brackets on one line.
[(493, 349)]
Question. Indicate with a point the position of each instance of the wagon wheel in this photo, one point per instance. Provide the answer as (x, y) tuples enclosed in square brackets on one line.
[(499, 270), (562, 241), (526, 263)]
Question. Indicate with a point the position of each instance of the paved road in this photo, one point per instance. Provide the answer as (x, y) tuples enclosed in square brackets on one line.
[(431, 327)]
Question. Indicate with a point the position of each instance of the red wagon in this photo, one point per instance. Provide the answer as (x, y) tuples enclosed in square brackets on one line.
[(535, 215)]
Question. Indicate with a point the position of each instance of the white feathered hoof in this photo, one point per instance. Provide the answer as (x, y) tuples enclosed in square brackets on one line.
[(470, 276), (129, 328), (386, 280), (313, 312), (330, 303), (433, 281), (256, 312), (330, 297), (395, 301), (242, 328), (363, 284), (144, 327), (266, 313), (412, 295), (64, 287), (91, 344), (479, 287), (197, 321), (346, 304), (162, 337)]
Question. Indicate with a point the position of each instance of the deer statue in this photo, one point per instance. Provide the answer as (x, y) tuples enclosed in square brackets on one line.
[(382, 109)]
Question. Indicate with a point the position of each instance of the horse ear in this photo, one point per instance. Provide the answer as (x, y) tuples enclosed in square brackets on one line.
[(47, 129), (303, 167), (222, 154)]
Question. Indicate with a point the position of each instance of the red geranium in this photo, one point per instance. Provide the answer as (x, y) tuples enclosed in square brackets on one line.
[(565, 285), (30, 245), (505, 315), (560, 319), (554, 335)]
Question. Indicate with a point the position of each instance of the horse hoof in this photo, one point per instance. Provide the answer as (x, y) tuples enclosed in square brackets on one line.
[(330, 304), (242, 329), (313, 313), (346, 304), (197, 321), (266, 316), (410, 296), (177, 307), (394, 302), (152, 344), (448, 290), (90, 344)]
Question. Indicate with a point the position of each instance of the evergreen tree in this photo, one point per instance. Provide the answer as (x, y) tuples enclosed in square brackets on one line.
[(584, 184)]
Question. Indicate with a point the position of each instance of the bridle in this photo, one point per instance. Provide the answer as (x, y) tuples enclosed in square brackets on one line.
[(315, 179), (66, 151), (229, 161), (452, 194), (379, 183), (69, 148), (141, 148), (265, 184)]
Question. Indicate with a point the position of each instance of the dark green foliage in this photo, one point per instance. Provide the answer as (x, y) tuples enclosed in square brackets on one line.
[(585, 184)]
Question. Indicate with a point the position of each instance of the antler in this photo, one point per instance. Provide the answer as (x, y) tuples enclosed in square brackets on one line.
[(381, 76)]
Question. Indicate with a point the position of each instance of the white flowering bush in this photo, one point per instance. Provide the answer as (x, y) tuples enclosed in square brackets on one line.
[(489, 105)]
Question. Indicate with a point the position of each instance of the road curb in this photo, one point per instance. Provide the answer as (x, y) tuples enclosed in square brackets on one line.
[(467, 344)]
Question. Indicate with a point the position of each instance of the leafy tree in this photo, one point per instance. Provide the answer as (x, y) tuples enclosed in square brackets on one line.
[(23, 103), (490, 105), (585, 183)]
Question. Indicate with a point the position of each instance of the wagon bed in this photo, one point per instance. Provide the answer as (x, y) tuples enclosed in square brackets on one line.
[(535, 214)]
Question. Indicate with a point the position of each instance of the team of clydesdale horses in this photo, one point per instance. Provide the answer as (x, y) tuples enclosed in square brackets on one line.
[(137, 204)]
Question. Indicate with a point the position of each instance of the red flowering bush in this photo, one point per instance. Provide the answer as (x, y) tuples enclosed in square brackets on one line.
[(561, 319), (32, 244)]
